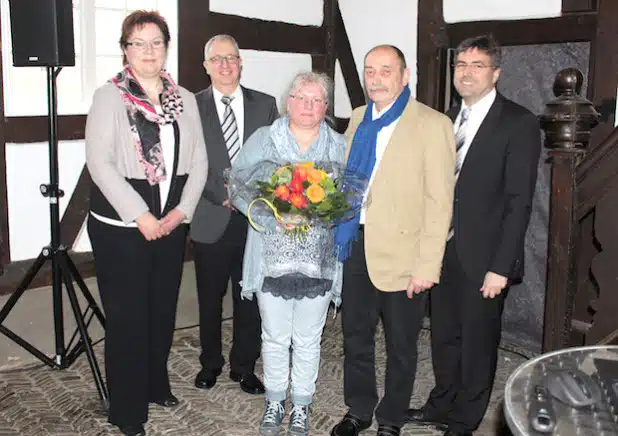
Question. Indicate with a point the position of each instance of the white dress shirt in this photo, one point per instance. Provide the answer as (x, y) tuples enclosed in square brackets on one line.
[(478, 112), (384, 136), (238, 106)]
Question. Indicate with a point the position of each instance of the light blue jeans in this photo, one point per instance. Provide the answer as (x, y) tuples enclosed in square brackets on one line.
[(298, 323)]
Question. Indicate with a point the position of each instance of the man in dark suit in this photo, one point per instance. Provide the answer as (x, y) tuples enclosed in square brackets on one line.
[(498, 146), (230, 114)]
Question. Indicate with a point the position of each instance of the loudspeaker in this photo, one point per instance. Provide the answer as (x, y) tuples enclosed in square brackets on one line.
[(42, 33)]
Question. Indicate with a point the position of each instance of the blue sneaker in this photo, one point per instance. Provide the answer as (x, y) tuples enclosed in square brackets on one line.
[(272, 418), (299, 421)]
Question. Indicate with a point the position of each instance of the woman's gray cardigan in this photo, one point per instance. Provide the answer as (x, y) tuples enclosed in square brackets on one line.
[(111, 155)]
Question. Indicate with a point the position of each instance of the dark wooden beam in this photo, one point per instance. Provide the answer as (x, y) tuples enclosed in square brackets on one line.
[(567, 28), (192, 35), (35, 129), (5, 254), (348, 65), (329, 27), (251, 33), (77, 210), (199, 25), (15, 272), (431, 46), (578, 6), (604, 67)]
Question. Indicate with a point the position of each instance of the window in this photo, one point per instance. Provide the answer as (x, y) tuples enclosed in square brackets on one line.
[(96, 25)]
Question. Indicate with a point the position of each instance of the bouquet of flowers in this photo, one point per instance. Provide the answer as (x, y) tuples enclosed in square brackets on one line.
[(299, 195)]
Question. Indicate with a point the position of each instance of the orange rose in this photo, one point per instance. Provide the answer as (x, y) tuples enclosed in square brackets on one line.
[(298, 200), (314, 176), (282, 192), (315, 193)]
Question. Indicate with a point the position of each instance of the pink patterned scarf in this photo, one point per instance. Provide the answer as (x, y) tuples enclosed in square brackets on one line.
[(145, 121)]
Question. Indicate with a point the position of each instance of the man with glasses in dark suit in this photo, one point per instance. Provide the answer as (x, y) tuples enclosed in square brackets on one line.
[(230, 113), (498, 145)]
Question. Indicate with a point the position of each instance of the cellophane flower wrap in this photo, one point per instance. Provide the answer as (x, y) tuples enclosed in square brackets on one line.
[(298, 195)]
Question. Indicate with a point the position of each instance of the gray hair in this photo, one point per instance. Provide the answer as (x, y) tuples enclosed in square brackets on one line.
[(305, 77), (222, 37)]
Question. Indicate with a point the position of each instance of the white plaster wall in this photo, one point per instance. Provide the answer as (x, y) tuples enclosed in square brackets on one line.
[(482, 10), (305, 12), (27, 167), (343, 107), (272, 72), (369, 23)]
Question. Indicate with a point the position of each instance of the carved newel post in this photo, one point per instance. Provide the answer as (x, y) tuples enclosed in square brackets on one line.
[(567, 122)]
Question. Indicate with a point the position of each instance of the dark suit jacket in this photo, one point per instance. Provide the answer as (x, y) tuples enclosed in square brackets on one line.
[(211, 218), (493, 195)]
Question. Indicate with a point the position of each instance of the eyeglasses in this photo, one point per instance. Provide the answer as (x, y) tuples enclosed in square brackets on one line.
[(230, 59), (303, 98), (474, 67), (157, 44)]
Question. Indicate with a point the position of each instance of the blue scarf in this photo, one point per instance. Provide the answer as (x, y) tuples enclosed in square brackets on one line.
[(361, 160)]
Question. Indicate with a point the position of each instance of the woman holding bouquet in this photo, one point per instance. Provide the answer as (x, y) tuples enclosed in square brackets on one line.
[(294, 279), (145, 152)]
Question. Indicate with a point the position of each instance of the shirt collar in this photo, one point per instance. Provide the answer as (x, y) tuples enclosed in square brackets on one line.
[(377, 114), (481, 106), (235, 95)]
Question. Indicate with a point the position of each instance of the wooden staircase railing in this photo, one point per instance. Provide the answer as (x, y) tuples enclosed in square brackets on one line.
[(581, 302)]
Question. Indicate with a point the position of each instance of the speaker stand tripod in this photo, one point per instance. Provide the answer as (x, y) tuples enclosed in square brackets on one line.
[(63, 271)]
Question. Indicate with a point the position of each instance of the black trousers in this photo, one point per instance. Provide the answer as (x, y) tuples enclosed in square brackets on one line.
[(465, 334), (363, 305), (139, 283), (215, 265)]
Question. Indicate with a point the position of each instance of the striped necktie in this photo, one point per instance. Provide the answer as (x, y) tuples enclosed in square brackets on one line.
[(230, 129), (460, 140)]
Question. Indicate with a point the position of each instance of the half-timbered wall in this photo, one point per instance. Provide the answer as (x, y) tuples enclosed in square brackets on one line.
[(279, 37)]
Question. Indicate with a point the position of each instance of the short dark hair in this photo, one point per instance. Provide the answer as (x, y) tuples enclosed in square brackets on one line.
[(398, 53), (139, 19), (484, 43)]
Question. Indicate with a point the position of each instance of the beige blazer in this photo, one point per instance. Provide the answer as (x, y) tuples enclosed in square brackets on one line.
[(410, 199)]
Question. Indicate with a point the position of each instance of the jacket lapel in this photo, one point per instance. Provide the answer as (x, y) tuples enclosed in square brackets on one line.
[(251, 108), (215, 142)]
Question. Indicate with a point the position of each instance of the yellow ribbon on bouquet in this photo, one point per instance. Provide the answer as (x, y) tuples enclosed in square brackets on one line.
[(298, 231)]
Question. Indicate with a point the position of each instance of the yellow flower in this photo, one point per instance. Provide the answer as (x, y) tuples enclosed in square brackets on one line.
[(315, 193), (307, 165), (314, 176)]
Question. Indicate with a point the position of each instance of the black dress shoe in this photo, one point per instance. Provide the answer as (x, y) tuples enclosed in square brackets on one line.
[(388, 430), (206, 378), (420, 417), (451, 432), (350, 425), (133, 430), (248, 383), (170, 401)]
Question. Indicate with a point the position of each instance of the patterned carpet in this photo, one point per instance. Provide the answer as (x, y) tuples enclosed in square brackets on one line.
[(39, 401)]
